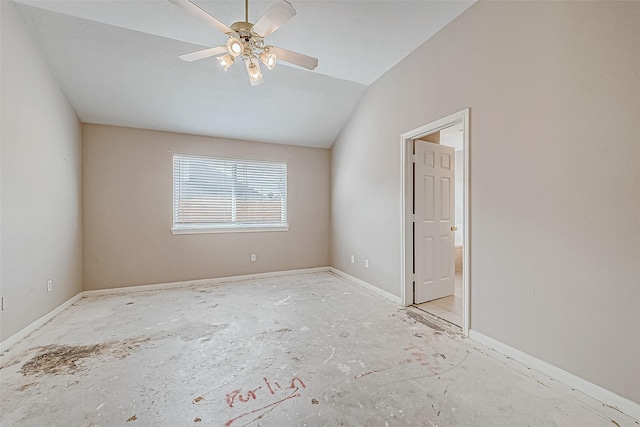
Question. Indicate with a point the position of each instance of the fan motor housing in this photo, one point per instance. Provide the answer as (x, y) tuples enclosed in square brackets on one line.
[(242, 28)]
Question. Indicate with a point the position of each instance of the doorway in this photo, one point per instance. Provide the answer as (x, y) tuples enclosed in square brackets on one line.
[(436, 260)]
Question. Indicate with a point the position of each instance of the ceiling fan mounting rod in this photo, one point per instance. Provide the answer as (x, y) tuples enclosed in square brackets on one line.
[(246, 11)]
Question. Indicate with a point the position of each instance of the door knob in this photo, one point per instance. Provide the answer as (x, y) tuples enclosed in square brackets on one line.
[(454, 228)]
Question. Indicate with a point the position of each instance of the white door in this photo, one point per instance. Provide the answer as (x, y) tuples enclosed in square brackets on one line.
[(433, 240)]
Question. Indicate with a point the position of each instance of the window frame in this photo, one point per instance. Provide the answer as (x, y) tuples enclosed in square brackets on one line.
[(228, 227)]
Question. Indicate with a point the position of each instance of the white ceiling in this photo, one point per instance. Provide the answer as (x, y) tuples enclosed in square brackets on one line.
[(117, 60)]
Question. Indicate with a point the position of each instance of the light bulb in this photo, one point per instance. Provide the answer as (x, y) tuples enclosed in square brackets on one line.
[(234, 46), (268, 59), (226, 61), (253, 69)]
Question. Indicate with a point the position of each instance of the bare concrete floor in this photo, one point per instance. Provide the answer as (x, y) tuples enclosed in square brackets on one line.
[(306, 350)]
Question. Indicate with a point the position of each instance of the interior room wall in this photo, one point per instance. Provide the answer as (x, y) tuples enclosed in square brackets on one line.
[(555, 169), (41, 232), (128, 184), (432, 137)]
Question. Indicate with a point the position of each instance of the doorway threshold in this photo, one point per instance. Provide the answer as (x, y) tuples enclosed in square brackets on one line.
[(447, 308), (446, 315)]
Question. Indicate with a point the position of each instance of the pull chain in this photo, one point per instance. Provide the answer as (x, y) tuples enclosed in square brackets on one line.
[(246, 10)]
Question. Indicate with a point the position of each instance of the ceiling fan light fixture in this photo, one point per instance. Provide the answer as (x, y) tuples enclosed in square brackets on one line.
[(268, 59), (246, 40), (253, 69), (226, 61), (234, 46)]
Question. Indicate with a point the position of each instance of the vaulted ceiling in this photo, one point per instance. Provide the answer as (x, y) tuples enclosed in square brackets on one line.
[(117, 61)]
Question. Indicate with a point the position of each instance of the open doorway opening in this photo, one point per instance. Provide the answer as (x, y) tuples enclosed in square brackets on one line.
[(436, 261), (437, 254)]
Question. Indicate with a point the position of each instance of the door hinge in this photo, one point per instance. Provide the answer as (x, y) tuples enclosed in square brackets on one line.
[(414, 277), (413, 158), (413, 217)]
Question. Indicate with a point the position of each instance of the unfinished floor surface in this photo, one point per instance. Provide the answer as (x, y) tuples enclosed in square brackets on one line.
[(304, 350)]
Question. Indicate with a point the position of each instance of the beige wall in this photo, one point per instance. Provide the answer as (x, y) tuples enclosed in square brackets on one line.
[(40, 174), (554, 93), (127, 211), (432, 137)]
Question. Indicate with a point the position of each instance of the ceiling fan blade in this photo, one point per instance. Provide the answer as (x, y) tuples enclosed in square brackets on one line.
[(195, 10), (280, 12), (204, 53), (294, 58)]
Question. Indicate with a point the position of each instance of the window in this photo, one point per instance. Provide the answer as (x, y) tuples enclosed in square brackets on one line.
[(216, 194)]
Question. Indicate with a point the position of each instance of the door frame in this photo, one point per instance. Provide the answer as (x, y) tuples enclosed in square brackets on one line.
[(406, 268)]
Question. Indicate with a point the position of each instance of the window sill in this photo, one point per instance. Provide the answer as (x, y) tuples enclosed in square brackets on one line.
[(216, 230)]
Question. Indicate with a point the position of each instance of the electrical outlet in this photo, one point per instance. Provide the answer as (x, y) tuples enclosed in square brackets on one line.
[(49, 285), (253, 257), (5, 304), (353, 259), (366, 263)]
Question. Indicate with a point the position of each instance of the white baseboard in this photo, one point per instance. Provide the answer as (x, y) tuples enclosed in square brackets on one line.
[(9, 342), (603, 395), (368, 286), (13, 339), (201, 282)]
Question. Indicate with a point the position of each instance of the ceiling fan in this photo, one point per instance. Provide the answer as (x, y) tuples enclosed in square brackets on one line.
[(246, 40)]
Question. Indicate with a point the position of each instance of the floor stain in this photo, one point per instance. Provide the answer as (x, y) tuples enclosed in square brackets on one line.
[(132, 418), (420, 319), (197, 331), (284, 330), (26, 386), (364, 374), (314, 401), (11, 362), (197, 420), (60, 359)]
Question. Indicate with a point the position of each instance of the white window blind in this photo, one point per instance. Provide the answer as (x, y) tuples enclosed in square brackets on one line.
[(219, 193)]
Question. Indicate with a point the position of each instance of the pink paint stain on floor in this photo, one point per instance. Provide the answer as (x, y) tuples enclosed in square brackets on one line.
[(267, 392)]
